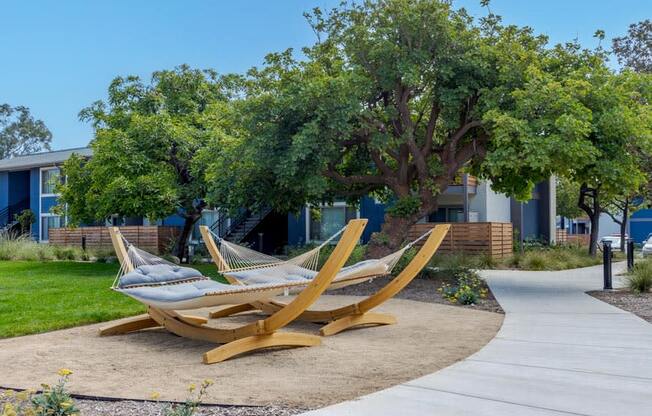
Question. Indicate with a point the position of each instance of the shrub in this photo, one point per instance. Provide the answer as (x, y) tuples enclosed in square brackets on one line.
[(640, 279), (55, 401), (468, 287), (358, 253), (189, 407)]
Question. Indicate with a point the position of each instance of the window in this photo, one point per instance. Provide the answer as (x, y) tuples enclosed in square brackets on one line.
[(48, 222), (327, 220), (49, 179), (447, 214)]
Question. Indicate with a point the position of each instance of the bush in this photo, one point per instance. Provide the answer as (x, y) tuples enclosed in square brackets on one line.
[(357, 255), (52, 401), (190, 405), (640, 279), (468, 287), (22, 247)]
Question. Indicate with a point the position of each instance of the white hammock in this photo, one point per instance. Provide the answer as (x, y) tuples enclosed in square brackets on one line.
[(248, 266)]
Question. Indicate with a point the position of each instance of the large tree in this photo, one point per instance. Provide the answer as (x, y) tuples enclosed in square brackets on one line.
[(21, 133), (147, 136), (634, 50), (612, 115), (394, 99)]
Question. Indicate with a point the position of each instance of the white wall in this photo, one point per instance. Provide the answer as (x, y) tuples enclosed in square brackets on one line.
[(607, 226)]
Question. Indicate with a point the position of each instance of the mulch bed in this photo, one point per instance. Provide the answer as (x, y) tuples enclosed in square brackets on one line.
[(422, 289), (639, 304), (139, 408)]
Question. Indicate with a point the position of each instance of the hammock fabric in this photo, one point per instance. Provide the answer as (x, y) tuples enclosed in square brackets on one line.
[(251, 267)]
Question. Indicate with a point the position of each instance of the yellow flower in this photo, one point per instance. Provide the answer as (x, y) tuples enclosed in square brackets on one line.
[(192, 387), (45, 386), (155, 395), (66, 405), (63, 372), (208, 382), (22, 396)]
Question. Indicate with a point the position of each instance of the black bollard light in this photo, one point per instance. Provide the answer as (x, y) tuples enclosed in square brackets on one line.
[(84, 242), (630, 254), (606, 258)]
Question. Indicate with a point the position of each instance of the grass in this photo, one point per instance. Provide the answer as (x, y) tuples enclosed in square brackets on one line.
[(43, 296), (542, 258), (640, 279)]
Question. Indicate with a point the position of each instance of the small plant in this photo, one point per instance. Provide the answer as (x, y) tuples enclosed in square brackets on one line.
[(189, 407), (55, 401), (640, 280), (467, 290), (17, 403), (26, 218)]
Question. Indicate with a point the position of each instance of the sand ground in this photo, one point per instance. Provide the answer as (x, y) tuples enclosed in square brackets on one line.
[(427, 337)]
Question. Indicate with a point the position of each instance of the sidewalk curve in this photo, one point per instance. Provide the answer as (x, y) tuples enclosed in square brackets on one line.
[(559, 352)]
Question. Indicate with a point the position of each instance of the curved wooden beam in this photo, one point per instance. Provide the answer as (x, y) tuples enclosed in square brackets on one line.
[(262, 333), (350, 321), (258, 342), (349, 314)]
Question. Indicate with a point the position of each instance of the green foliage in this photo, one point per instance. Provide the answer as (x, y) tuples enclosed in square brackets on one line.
[(395, 98), (568, 194), (634, 50), (20, 133), (145, 151), (26, 218), (640, 279), (402, 263), (467, 290), (190, 405), (22, 247), (551, 258), (404, 207), (55, 400)]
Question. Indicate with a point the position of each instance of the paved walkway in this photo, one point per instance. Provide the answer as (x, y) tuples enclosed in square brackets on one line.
[(559, 352)]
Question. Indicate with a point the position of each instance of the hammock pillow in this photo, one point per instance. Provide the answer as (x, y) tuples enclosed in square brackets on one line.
[(157, 274)]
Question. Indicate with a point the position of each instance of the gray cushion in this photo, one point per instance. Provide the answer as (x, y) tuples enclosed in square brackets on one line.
[(278, 274), (158, 274), (178, 292)]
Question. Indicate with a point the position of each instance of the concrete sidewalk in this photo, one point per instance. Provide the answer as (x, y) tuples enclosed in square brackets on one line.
[(559, 352)]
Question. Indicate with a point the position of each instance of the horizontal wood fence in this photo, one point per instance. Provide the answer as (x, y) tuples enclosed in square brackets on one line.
[(489, 238), (561, 236), (155, 239)]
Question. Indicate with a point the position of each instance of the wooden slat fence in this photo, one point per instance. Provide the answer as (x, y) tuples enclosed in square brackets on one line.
[(155, 239), (561, 236), (492, 238)]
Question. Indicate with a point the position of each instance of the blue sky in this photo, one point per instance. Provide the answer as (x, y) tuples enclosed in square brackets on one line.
[(58, 57)]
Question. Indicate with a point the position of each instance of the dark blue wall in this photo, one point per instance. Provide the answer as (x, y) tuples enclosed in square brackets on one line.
[(375, 213), (531, 219), (640, 225), (297, 229), (4, 190), (19, 187)]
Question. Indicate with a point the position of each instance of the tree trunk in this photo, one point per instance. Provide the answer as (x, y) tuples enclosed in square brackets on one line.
[(592, 210), (595, 230), (394, 232), (182, 241)]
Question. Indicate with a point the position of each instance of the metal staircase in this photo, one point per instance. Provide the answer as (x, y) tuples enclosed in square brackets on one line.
[(238, 227), (7, 215)]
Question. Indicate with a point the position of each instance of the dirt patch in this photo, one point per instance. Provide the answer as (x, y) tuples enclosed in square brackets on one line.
[(425, 288), (427, 338), (639, 304)]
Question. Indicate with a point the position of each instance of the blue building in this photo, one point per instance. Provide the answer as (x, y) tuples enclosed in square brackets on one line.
[(29, 182), (640, 225)]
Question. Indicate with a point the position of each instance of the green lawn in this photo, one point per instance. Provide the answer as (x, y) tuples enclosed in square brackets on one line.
[(44, 296)]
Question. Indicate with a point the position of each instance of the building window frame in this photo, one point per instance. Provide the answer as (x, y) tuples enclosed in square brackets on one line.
[(42, 195), (337, 204)]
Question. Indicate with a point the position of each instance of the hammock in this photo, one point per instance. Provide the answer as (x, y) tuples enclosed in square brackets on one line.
[(166, 287), (246, 266), (159, 283)]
